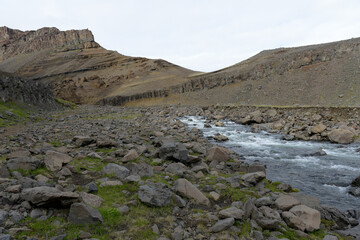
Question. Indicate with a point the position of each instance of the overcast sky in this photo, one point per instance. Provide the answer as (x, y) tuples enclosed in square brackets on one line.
[(203, 35)]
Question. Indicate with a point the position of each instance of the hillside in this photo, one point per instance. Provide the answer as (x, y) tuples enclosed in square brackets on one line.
[(79, 69), (317, 75)]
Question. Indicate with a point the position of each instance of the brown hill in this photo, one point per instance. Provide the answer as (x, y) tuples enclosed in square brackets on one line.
[(318, 75), (80, 70)]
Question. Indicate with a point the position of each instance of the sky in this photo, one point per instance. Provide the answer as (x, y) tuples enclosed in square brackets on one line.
[(203, 35)]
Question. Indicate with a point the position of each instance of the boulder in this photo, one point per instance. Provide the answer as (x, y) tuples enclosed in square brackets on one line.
[(309, 216), (176, 168), (219, 154), (83, 214), (173, 151), (333, 214), (91, 199), (253, 178), (356, 182), (130, 156), (82, 141), (293, 221), (266, 217), (343, 136), (141, 169), (285, 202), (155, 194), (3, 216), (222, 225), (186, 189), (25, 163), (49, 196), (117, 170), (232, 212), (318, 128), (264, 201), (55, 160), (220, 138)]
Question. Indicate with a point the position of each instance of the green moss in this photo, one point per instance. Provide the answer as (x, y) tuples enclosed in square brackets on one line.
[(115, 194), (238, 194), (88, 163), (272, 185), (13, 113), (32, 172), (327, 223), (245, 229), (66, 104), (56, 143)]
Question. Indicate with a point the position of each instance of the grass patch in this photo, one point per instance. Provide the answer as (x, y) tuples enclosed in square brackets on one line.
[(245, 229), (12, 113), (88, 163), (237, 194), (66, 104), (32, 172), (272, 186), (115, 194), (56, 143)]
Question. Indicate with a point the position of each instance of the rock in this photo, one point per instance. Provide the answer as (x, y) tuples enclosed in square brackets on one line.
[(179, 201), (307, 200), (82, 141), (111, 183), (176, 168), (253, 178), (214, 195), (155, 194), (266, 217), (117, 170), (5, 237), (285, 202), (49, 196), (343, 136), (318, 128), (3, 216), (293, 221), (219, 154), (19, 154), (333, 214), (130, 156), (25, 163), (123, 209), (249, 207), (91, 199), (356, 182), (141, 169), (173, 151), (330, 237), (309, 216), (222, 225), (4, 172), (258, 235), (133, 178), (186, 189), (284, 187), (92, 188), (264, 201), (94, 155), (220, 138), (83, 214), (232, 212), (55, 160), (36, 213), (15, 216)]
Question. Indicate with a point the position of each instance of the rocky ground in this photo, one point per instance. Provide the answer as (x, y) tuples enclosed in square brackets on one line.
[(140, 173)]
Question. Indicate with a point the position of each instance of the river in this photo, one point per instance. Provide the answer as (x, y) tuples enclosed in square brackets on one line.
[(327, 177)]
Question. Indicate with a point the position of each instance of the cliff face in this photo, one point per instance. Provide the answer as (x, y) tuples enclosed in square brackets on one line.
[(15, 89), (80, 70)]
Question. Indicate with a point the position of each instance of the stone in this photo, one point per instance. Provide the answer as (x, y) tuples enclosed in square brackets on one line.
[(219, 154), (176, 168), (59, 237), (155, 194), (307, 200), (222, 225), (214, 195), (186, 189), (267, 218), (133, 178), (173, 151), (258, 235), (264, 201), (83, 214), (82, 141), (49, 196), (310, 217), (3, 216), (220, 138), (330, 237), (36, 213), (343, 136), (5, 237), (232, 212), (130, 156), (55, 160), (293, 221), (41, 178), (285, 202), (4, 172), (117, 170), (249, 207), (253, 178), (179, 201), (318, 128), (91, 199), (123, 209), (92, 188), (356, 182), (94, 155), (111, 183), (15, 216), (141, 169), (333, 214), (25, 163)]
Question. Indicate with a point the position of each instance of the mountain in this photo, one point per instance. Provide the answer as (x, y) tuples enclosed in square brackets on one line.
[(79, 70), (318, 75)]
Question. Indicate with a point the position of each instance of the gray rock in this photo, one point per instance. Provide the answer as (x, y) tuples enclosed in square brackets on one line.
[(117, 170), (133, 178), (258, 235), (3, 216), (186, 189), (4, 172), (307, 200), (176, 168), (173, 151), (330, 237), (92, 188), (155, 194), (253, 178), (83, 214), (59, 237), (222, 225), (267, 218), (55, 160), (232, 212), (82, 141), (25, 163), (123, 209), (91, 199), (285, 202), (5, 237), (179, 201), (141, 169), (309, 216), (249, 207), (49, 196), (219, 154), (333, 214), (264, 201), (15, 216), (293, 221), (36, 213), (343, 136)]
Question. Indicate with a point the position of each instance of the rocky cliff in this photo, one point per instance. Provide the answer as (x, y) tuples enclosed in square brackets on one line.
[(15, 89), (78, 69)]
